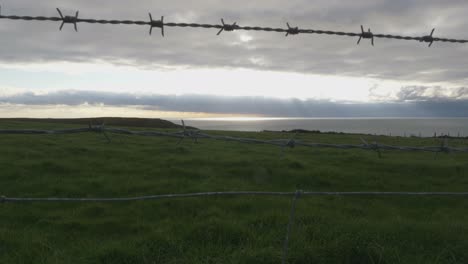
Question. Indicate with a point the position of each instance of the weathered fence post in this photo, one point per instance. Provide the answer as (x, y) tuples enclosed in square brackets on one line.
[(290, 225)]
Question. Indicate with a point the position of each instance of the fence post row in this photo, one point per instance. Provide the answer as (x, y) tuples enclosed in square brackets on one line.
[(196, 134)]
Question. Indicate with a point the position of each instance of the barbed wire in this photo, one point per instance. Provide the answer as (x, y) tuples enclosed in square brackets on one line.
[(6, 199), (195, 135), (74, 20)]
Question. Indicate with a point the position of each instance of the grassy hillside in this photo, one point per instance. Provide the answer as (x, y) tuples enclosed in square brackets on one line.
[(108, 121), (226, 229)]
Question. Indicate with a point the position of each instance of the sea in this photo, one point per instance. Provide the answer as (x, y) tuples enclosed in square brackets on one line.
[(419, 127)]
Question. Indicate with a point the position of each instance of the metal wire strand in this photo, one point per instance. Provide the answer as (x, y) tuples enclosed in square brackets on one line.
[(6, 199), (197, 134), (231, 27)]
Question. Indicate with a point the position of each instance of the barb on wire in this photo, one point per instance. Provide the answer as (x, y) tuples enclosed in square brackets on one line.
[(291, 143), (156, 23), (366, 35), (428, 38), (184, 133), (100, 129), (230, 27), (444, 148), (69, 19), (227, 27), (292, 30), (373, 146), (188, 133)]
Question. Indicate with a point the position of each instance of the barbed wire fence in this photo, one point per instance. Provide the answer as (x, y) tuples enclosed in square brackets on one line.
[(296, 195), (195, 135), (289, 30)]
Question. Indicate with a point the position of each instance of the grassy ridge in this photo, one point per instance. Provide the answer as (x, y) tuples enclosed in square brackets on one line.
[(109, 121), (228, 229)]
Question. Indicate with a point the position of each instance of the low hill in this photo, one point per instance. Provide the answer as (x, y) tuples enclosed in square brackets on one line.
[(108, 121)]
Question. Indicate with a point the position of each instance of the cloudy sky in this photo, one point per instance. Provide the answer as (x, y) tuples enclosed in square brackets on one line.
[(106, 70)]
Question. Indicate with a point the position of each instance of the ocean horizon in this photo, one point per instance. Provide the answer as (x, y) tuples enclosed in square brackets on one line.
[(389, 126)]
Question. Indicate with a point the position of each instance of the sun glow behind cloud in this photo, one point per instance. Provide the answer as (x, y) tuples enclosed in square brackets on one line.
[(86, 110), (122, 89), (101, 76), (122, 64)]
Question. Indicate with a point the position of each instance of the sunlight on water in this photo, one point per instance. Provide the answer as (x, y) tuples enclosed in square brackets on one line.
[(425, 127), (239, 118)]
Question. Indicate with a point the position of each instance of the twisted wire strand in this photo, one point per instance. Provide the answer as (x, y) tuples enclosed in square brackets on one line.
[(227, 27), (31, 18), (198, 135), (192, 25), (6, 199), (113, 22)]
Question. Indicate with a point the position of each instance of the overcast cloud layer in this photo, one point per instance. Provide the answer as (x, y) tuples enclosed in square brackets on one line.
[(273, 107), (436, 69), (402, 60)]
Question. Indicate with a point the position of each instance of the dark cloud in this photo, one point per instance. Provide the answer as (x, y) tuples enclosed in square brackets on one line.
[(461, 92), (248, 105), (412, 93), (391, 59), (431, 93)]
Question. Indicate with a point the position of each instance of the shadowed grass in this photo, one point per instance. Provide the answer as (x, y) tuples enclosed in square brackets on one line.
[(227, 229)]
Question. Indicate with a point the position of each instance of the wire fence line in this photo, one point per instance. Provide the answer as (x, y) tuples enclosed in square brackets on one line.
[(160, 24), (195, 135), (295, 195)]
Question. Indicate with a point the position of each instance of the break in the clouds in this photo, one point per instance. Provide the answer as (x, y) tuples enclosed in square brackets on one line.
[(250, 106), (429, 76)]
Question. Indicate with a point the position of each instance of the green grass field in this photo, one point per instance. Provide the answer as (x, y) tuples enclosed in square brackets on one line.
[(226, 229)]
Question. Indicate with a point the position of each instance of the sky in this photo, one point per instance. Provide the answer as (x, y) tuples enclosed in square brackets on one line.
[(106, 70)]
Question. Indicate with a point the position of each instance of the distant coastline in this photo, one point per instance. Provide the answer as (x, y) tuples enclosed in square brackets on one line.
[(403, 127), (108, 121)]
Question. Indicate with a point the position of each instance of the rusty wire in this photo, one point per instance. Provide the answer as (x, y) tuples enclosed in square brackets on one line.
[(228, 27)]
